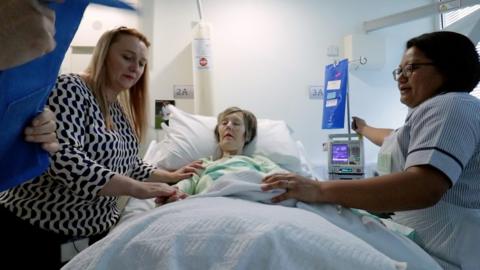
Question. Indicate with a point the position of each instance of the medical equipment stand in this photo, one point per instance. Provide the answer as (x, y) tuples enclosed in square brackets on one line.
[(350, 146)]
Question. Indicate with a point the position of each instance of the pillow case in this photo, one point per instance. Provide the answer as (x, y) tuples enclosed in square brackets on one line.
[(190, 137)]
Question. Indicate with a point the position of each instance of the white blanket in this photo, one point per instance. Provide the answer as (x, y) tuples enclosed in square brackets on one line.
[(231, 233), (246, 185)]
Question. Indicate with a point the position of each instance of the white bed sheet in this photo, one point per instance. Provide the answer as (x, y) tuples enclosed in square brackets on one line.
[(207, 232), (229, 233)]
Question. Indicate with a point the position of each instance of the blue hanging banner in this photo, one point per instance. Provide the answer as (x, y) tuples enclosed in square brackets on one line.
[(335, 95), (24, 91)]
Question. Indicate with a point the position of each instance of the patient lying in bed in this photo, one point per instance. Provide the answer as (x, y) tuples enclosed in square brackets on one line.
[(235, 129)]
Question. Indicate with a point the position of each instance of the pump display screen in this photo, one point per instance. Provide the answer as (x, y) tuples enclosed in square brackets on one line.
[(339, 153)]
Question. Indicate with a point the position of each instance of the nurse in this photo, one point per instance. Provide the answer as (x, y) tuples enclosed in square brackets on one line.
[(433, 180)]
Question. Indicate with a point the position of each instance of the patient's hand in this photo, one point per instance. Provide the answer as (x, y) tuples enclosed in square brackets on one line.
[(42, 130)]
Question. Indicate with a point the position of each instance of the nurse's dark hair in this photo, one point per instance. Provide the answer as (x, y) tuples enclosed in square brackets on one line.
[(454, 56), (249, 120)]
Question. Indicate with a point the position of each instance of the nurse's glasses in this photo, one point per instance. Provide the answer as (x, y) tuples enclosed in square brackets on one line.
[(407, 70)]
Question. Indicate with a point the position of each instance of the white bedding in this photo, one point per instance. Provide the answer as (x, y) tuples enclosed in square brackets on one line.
[(228, 233), (232, 233)]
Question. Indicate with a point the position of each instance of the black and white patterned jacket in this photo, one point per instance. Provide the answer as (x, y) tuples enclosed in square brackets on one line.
[(64, 199)]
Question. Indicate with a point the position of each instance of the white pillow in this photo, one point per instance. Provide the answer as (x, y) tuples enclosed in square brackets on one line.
[(190, 137), (307, 166)]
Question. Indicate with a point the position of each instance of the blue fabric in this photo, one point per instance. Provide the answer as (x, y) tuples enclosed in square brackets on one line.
[(24, 91), (112, 3), (335, 95)]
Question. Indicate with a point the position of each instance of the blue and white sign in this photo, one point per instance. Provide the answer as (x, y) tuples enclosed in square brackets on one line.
[(335, 95)]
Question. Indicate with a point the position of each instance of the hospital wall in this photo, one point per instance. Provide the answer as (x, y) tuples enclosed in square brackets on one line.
[(266, 54)]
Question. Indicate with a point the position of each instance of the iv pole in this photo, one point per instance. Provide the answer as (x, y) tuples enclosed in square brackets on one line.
[(362, 62), (200, 9), (348, 111)]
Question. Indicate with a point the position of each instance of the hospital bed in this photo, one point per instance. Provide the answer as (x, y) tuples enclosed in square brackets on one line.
[(237, 228)]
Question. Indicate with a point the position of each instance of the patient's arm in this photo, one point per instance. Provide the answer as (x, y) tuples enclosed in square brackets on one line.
[(190, 186), (268, 166), (187, 185)]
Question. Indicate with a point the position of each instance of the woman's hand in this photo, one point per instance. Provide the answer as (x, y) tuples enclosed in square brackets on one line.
[(296, 186), (173, 177), (123, 185), (178, 195), (42, 130), (185, 172), (147, 190)]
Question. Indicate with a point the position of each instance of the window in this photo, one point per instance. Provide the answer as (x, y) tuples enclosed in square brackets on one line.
[(453, 16)]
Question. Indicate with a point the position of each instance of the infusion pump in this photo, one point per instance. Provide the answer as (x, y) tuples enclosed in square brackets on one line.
[(345, 156)]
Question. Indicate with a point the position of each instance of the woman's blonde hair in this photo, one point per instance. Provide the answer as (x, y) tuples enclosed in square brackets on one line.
[(135, 101)]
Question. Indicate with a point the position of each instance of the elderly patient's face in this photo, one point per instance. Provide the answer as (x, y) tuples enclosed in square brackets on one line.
[(231, 130), (424, 80)]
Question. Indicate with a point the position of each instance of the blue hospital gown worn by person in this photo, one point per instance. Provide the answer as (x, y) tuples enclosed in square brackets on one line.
[(64, 199), (444, 132), (214, 169)]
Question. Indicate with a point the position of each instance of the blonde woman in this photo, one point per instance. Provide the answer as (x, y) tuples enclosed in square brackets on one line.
[(101, 118)]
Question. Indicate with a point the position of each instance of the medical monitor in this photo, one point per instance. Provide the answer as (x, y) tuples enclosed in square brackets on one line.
[(345, 154), (339, 153)]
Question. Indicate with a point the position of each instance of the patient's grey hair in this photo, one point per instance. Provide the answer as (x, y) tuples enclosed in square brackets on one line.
[(249, 120)]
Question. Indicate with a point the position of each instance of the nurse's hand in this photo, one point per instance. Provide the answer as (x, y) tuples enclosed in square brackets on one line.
[(358, 124), (27, 29), (296, 187), (42, 130)]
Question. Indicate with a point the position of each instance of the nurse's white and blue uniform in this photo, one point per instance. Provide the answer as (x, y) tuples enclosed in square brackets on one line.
[(443, 132)]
